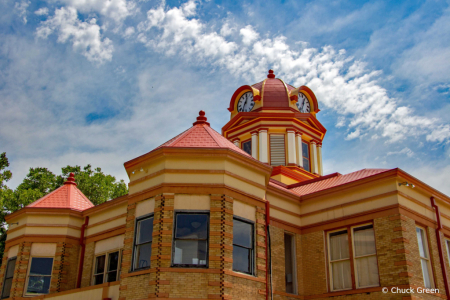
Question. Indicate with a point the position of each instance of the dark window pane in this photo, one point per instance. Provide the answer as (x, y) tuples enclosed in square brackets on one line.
[(112, 276), (98, 279), (143, 253), (145, 231), (306, 164), (41, 266), (38, 284), (192, 226), (242, 234), (305, 150), (10, 268), (113, 261), (190, 252), (247, 147), (241, 259), (7, 288), (100, 264)]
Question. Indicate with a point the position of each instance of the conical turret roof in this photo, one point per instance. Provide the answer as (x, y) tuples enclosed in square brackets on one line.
[(67, 196)]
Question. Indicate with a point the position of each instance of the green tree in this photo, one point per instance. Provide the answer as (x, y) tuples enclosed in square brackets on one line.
[(95, 185)]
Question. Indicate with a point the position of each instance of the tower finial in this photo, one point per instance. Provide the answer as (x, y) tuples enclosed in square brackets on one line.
[(201, 119), (71, 179), (270, 75)]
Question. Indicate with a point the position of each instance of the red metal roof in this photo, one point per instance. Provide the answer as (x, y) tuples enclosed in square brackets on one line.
[(201, 135), (67, 196), (334, 181), (273, 91)]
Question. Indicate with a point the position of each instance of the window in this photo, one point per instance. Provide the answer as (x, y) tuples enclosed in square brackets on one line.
[(305, 153), (242, 246), (106, 267), (143, 243), (39, 275), (341, 277), (365, 253), (247, 147), (356, 262), (447, 244), (190, 244), (8, 277), (289, 263), (424, 258), (277, 150)]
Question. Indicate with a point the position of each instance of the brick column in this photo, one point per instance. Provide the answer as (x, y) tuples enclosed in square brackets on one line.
[(88, 264), (398, 251), (65, 267), (220, 247), (161, 246), (261, 249), (127, 250), (20, 272), (3, 268)]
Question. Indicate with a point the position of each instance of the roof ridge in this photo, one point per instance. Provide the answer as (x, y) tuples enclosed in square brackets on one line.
[(211, 135)]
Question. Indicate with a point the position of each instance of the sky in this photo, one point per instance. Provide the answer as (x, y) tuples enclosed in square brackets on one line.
[(101, 82)]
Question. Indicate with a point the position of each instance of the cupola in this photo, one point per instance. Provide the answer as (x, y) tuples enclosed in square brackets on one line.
[(276, 123)]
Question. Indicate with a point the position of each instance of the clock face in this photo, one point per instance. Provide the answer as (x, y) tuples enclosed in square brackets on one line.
[(303, 104), (246, 103)]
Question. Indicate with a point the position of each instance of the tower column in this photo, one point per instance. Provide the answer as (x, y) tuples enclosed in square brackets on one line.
[(319, 155), (254, 144), (315, 167), (299, 148), (263, 151), (292, 155), (237, 142)]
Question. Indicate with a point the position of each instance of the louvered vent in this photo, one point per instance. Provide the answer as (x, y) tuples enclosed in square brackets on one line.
[(277, 150)]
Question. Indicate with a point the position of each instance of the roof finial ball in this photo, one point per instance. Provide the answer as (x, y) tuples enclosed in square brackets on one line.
[(71, 179), (270, 75), (201, 119)]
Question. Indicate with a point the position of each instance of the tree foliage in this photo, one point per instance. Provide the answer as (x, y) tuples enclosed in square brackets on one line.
[(95, 185)]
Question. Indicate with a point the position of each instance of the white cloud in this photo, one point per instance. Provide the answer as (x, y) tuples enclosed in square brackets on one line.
[(249, 35), (85, 36), (43, 11), (21, 9), (405, 150), (129, 31), (226, 30), (439, 134), (117, 10), (341, 84), (180, 34)]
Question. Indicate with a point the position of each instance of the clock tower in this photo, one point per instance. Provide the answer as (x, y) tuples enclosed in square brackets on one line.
[(276, 124)]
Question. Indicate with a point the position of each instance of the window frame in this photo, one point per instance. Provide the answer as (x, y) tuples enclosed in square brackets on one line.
[(352, 257), (28, 275), (309, 155), (133, 257), (447, 241), (105, 272), (253, 252), (294, 261), (4, 278), (429, 262), (244, 142), (190, 212)]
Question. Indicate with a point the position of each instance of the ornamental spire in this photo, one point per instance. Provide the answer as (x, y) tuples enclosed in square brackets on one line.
[(201, 119)]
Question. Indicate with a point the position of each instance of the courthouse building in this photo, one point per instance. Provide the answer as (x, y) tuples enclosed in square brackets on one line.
[(242, 214)]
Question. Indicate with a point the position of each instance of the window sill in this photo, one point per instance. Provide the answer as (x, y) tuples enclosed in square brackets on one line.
[(245, 276), (356, 291), (138, 272)]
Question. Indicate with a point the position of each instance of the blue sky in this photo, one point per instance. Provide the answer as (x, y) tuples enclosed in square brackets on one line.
[(103, 81)]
